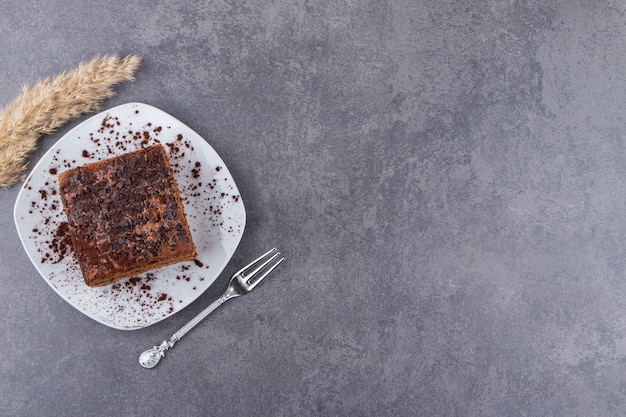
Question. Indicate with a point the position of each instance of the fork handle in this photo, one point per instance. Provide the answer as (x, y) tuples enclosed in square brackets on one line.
[(201, 316), (151, 357)]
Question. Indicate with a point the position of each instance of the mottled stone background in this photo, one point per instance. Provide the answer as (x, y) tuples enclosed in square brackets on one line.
[(446, 179)]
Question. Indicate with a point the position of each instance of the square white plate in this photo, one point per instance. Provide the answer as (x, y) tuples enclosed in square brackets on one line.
[(213, 207)]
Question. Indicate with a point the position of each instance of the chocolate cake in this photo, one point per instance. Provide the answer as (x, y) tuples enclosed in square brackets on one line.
[(125, 216)]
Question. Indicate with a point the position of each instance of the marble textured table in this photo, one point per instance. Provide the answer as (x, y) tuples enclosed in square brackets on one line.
[(446, 180)]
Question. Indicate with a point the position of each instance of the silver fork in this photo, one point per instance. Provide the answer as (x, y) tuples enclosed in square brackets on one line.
[(241, 283)]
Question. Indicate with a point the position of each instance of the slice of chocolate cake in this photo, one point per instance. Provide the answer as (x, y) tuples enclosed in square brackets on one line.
[(125, 216)]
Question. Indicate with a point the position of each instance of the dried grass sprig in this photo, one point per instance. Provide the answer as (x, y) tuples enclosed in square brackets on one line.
[(51, 103)]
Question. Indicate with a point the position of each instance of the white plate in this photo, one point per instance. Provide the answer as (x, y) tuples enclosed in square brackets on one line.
[(213, 207)]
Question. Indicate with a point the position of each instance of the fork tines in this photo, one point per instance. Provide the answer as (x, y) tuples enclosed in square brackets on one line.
[(261, 267)]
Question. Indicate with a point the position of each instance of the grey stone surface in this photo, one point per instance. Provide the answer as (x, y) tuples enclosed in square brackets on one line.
[(446, 179)]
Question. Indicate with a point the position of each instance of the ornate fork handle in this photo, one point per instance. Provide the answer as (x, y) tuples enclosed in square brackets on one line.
[(151, 357)]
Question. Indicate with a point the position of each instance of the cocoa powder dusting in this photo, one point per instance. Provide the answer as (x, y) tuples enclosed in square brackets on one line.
[(60, 245)]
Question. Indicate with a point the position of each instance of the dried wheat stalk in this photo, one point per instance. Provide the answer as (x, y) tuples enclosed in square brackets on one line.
[(53, 102)]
